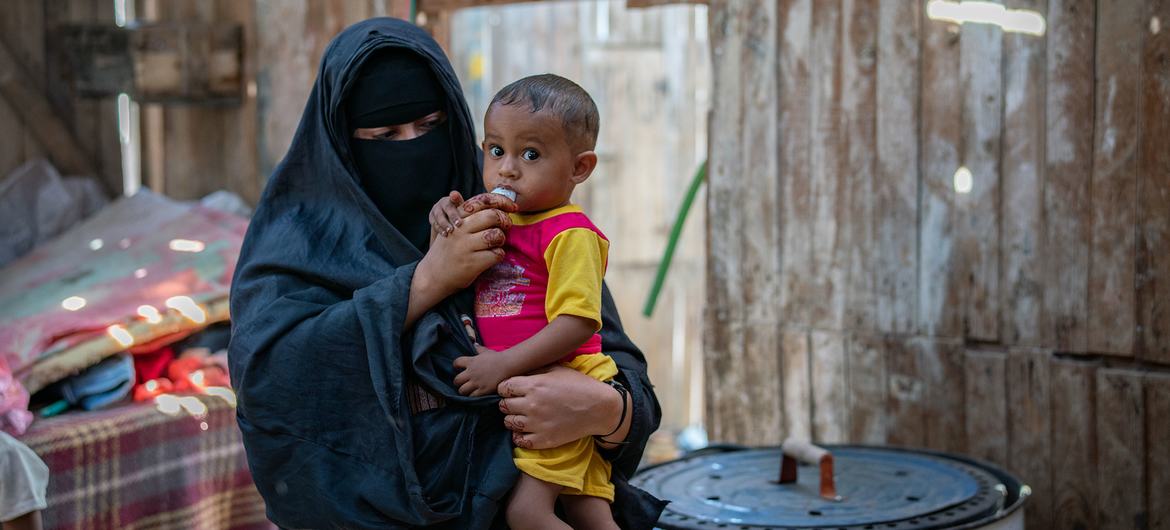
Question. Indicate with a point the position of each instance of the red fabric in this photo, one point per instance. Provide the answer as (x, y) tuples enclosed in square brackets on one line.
[(152, 365)]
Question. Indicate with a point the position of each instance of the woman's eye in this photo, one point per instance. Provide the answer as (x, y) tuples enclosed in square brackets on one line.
[(496, 150), (530, 155), (389, 134)]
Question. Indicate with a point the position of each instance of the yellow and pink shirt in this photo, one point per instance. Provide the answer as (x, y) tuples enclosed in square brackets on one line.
[(553, 265)]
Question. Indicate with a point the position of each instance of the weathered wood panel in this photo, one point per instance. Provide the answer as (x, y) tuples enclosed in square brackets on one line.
[(1157, 398), (896, 184), (794, 125), (939, 303), (1114, 184), (978, 209), (1024, 319), (1069, 159), (906, 396), (1029, 439), (828, 207), (1074, 445), (986, 405), (859, 113), (945, 410), (830, 391), (796, 384), (1121, 444), (867, 386), (744, 364), (1153, 281)]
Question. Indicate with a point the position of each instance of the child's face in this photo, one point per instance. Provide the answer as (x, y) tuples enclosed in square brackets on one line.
[(529, 154)]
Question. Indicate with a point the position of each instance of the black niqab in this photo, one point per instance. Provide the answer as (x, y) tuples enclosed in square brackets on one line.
[(402, 178), (320, 356)]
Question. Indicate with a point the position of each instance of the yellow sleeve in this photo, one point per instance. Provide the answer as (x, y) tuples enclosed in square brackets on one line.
[(576, 264)]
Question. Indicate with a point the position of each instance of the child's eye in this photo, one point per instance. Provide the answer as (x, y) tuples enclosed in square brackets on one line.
[(496, 151), (530, 155)]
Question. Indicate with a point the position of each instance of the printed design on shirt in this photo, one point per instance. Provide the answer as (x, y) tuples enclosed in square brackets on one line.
[(495, 297)]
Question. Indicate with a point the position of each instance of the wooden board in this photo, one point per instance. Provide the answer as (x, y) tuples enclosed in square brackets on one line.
[(939, 305), (1121, 468), (856, 163), (1153, 281), (1029, 432), (759, 240), (895, 215), (941, 367), (867, 386), (795, 143), (1074, 450), (824, 279), (986, 405), (977, 211), (906, 396), (796, 384), (830, 391), (1114, 186), (1069, 159), (1024, 319), (1157, 464)]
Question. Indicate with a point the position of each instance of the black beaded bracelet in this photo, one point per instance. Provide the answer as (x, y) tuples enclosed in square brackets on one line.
[(623, 392)]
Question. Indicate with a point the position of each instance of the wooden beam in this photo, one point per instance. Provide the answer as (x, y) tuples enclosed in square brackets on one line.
[(28, 100)]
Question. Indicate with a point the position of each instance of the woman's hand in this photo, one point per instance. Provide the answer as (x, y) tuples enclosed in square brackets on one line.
[(557, 405), (446, 215), (453, 262)]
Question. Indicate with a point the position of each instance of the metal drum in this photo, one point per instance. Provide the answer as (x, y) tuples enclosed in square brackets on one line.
[(867, 488)]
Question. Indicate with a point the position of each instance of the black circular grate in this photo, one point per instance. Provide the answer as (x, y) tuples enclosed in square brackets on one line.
[(880, 488)]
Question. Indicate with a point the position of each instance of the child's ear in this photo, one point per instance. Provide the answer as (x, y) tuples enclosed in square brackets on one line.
[(583, 166)]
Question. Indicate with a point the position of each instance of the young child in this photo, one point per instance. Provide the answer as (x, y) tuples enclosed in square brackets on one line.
[(542, 303)]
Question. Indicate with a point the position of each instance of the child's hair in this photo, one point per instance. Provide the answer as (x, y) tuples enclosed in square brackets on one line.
[(564, 99)]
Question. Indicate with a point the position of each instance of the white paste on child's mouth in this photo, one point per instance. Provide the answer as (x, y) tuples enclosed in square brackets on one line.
[(511, 195)]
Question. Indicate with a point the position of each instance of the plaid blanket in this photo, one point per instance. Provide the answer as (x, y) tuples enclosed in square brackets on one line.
[(148, 466)]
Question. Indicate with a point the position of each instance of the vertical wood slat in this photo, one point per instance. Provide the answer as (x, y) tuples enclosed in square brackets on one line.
[(939, 307), (986, 405), (1114, 181), (867, 386), (796, 384), (1157, 464), (795, 119), (859, 111), (825, 277), (746, 401), (906, 395), (1122, 448), (941, 367), (830, 393), (1068, 153), (760, 239), (1074, 444), (1024, 319), (897, 173), (1153, 282), (1029, 432), (978, 212)]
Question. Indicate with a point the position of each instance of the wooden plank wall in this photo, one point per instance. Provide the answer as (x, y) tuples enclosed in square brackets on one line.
[(26, 27), (648, 71), (1024, 321)]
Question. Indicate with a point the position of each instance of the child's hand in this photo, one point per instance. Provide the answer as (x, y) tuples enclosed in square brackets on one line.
[(446, 214), (481, 373)]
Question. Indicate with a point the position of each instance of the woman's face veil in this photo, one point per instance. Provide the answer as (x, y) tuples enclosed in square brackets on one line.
[(403, 178)]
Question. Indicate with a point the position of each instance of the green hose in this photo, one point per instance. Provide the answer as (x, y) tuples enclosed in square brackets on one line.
[(675, 233)]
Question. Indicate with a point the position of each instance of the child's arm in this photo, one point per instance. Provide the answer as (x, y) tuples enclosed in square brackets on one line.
[(483, 373)]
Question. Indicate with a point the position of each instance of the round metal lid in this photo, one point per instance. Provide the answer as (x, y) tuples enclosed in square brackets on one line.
[(898, 489)]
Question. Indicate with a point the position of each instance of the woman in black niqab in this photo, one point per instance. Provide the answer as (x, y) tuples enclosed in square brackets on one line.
[(337, 318)]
